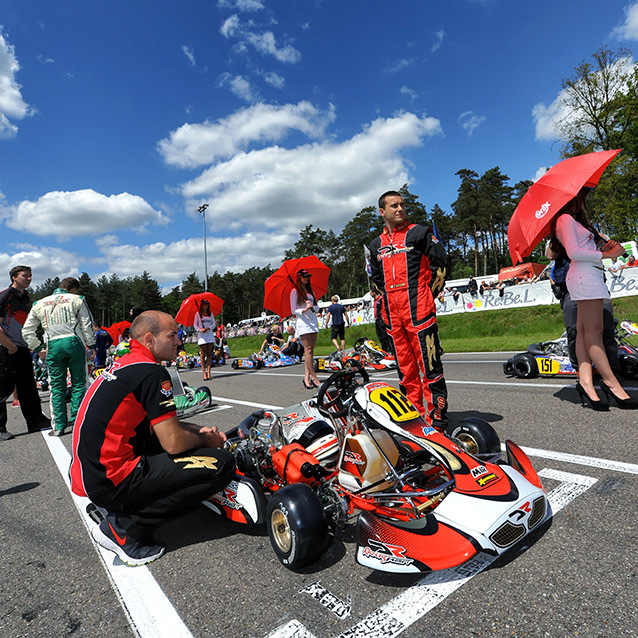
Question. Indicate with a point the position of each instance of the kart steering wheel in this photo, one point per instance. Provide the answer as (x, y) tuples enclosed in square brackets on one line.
[(339, 386)]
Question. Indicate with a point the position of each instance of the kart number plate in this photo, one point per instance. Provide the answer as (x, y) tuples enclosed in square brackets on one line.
[(398, 407), (547, 365), (321, 364)]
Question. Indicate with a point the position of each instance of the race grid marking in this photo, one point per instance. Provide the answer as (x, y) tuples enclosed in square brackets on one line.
[(398, 614), (149, 612)]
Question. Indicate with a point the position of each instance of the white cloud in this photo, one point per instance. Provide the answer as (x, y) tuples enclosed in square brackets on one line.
[(240, 86), (546, 118), (241, 5), (407, 91), (46, 263), (188, 52), (83, 212), (12, 105), (629, 29), (322, 184), (540, 172), (171, 263), (274, 79), (439, 35), (265, 43), (194, 145), (398, 66), (470, 121)]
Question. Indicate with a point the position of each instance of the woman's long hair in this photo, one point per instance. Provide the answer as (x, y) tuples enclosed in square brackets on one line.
[(577, 208), (303, 290), (204, 304)]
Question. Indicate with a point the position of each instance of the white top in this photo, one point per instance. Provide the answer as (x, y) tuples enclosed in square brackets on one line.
[(306, 320), (585, 276), (201, 322)]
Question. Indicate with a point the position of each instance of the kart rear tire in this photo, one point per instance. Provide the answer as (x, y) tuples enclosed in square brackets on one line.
[(525, 366), (234, 365), (297, 526), (628, 365), (477, 436), (206, 391)]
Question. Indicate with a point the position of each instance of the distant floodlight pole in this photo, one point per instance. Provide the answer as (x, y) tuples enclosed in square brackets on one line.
[(202, 210)]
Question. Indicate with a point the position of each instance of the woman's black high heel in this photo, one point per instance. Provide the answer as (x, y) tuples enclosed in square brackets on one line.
[(624, 404), (586, 402), (313, 384), (308, 387)]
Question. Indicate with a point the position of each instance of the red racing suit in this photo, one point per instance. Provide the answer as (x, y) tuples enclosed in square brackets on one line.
[(409, 267)]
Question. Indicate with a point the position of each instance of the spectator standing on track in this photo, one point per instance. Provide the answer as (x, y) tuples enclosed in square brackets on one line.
[(103, 341), (379, 324), (340, 319), (408, 264), (66, 320), (132, 457), (16, 364)]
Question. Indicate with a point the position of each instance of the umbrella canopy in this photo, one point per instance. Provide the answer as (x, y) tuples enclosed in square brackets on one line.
[(190, 307), (280, 284), (544, 199), (117, 329)]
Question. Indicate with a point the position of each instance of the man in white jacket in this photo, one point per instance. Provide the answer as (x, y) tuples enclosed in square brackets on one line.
[(67, 323)]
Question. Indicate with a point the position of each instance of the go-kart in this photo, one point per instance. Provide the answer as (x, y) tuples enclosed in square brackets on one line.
[(551, 358), (424, 500), (365, 351), (271, 357), (189, 401)]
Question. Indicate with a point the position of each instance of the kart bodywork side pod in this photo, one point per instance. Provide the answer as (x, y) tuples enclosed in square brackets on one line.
[(520, 461), (242, 501), (421, 545)]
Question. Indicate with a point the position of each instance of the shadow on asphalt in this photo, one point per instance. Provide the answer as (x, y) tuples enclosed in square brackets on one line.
[(17, 489)]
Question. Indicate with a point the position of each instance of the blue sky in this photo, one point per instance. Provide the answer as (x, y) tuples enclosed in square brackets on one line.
[(118, 119)]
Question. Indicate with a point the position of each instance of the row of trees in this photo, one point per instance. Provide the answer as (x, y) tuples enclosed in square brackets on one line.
[(600, 106)]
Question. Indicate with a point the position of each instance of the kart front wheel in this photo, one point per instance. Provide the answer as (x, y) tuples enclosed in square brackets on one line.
[(206, 390), (297, 525), (477, 436), (525, 366)]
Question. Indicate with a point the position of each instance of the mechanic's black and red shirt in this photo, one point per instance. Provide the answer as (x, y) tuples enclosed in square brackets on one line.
[(114, 426), (409, 261), (14, 308)]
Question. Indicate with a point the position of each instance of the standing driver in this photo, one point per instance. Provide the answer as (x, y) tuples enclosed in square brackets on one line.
[(408, 265), (132, 457)]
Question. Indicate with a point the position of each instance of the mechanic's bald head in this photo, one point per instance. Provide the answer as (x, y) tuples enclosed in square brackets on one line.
[(157, 331)]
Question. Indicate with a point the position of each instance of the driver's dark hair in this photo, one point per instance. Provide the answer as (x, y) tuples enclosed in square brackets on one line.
[(148, 321), (388, 194), (16, 270)]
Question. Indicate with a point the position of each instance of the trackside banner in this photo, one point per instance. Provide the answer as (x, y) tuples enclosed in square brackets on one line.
[(622, 284)]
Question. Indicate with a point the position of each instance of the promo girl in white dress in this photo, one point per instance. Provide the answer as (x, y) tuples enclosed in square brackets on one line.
[(586, 249), (303, 304), (205, 325)]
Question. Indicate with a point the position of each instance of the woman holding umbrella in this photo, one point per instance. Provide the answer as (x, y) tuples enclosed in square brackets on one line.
[(303, 304), (204, 323), (573, 233)]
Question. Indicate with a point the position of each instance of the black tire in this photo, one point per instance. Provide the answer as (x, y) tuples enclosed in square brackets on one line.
[(297, 526), (477, 436), (234, 365), (205, 390), (628, 365), (525, 366)]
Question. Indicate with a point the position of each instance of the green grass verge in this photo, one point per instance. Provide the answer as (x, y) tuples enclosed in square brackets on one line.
[(486, 331)]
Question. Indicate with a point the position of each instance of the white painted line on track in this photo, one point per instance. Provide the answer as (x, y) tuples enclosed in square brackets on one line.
[(617, 466), (148, 610), (250, 404), (398, 614)]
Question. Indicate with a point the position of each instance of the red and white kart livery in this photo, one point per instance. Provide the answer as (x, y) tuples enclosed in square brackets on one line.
[(365, 352), (424, 500)]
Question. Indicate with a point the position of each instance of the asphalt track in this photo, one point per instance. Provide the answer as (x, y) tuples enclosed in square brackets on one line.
[(577, 576)]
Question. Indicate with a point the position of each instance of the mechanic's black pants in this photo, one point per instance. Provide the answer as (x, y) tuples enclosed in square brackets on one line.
[(163, 485), (16, 371)]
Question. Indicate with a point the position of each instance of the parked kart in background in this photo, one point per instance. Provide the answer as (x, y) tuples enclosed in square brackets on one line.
[(185, 361), (271, 357), (189, 401), (365, 352), (424, 500), (551, 358)]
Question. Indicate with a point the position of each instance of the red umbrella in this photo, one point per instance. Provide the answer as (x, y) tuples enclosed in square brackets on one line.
[(117, 329), (190, 307), (280, 284), (533, 216)]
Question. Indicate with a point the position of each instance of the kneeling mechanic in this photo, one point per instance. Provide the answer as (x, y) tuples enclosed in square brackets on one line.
[(131, 455)]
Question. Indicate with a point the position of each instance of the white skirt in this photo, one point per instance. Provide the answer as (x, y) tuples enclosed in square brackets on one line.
[(585, 281)]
